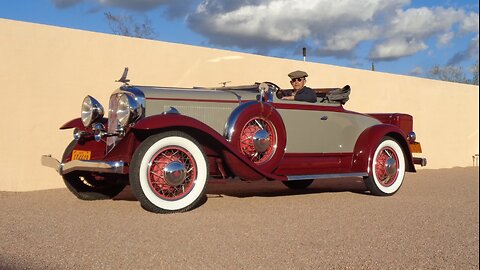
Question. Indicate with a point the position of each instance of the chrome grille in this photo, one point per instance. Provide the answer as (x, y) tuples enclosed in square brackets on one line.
[(112, 121)]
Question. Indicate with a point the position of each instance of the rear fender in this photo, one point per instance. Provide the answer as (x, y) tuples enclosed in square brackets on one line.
[(369, 140), (236, 162)]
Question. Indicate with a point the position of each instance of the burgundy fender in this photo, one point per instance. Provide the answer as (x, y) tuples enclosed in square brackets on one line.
[(239, 164), (77, 123), (368, 141), (74, 123)]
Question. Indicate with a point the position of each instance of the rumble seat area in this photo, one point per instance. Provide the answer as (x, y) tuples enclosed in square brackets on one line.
[(333, 95)]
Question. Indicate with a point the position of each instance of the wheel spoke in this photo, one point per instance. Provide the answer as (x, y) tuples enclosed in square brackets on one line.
[(386, 166), (157, 177), (259, 124), (248, 138), (247, 145)]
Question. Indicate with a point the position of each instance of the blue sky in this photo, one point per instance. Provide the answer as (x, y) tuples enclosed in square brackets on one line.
[(398, 36)]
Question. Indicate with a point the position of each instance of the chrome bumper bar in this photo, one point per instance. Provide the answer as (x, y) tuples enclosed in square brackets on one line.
[(82, 165), (420, 161)]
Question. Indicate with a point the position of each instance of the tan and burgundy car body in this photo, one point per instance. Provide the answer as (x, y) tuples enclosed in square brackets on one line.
[(245, 132)]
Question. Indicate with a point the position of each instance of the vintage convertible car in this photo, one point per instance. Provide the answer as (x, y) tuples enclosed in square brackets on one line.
[(168, 142)]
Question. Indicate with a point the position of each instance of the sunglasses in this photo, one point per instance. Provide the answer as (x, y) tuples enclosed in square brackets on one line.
[(296, 80)]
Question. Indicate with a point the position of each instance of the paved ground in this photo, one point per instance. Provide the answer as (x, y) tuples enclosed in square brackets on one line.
[(431, 223)]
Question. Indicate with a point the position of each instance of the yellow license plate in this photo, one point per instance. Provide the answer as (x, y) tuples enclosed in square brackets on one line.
[(415, 147), (81, 155)]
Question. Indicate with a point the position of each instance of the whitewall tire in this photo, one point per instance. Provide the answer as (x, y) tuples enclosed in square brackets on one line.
[(169, 173), (388, 168)]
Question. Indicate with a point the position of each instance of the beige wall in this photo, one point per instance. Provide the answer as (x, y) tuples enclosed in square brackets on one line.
[(46, 71)]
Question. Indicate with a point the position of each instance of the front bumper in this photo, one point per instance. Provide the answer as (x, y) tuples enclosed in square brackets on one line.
[(83, 165), (420, 161)]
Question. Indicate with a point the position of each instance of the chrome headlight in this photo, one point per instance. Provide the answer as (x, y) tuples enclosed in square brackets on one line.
[(92, 110), (128, 110)]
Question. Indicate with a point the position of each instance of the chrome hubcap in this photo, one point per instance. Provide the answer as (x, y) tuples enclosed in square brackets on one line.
[(261, 140), (391, 167), (175, 173)]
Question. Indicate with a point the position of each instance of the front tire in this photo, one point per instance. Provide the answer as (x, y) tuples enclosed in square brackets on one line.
[(87, 186), (387, 169), (169, 173)]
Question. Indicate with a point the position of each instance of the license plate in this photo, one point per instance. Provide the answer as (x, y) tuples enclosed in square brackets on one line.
[(81, 155), (415, 147)]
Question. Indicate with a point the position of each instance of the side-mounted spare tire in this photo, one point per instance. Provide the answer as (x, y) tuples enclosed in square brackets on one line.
[(257, 131)]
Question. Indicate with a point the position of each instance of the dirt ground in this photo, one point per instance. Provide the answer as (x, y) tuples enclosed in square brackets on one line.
[(431, 223)]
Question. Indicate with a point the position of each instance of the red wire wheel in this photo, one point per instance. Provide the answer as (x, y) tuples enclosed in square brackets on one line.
[(169, 172), (386, 166), (172, 172), (258, 133), (258, 140)]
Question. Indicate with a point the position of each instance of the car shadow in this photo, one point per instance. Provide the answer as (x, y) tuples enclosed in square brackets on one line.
[(244, 189), (263, 188)]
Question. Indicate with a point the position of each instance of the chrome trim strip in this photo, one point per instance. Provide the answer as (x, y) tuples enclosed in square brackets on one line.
[(83, 165), (325, 176), (232, 119)]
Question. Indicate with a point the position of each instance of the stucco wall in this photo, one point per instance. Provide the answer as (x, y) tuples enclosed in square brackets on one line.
[(46, 71)]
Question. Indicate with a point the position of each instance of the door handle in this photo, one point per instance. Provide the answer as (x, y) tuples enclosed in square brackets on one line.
[(324, 117)]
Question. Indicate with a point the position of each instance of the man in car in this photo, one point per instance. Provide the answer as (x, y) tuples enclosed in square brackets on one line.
[(300, 91)]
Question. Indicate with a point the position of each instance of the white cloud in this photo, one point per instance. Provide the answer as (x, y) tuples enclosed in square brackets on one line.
[(423, 22), (470, 23), (332, 28), (408, 31), (417, 71), (395, 48), (277, 23), (445, 38)]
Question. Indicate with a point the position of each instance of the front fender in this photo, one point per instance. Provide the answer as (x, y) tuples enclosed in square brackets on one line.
[(369, 140), (77, 123), (238, 163), (74, 123)]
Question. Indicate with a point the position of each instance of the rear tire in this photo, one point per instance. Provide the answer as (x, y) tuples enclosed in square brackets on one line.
[(169, 173), (388, 168)]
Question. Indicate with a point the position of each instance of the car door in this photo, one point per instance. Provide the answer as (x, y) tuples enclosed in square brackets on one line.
[(321, 128)]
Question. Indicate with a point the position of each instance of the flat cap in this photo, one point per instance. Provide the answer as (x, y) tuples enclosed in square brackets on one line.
[(297, 74)]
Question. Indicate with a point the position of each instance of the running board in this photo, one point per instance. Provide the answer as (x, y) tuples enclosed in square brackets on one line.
[(324, 176)]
